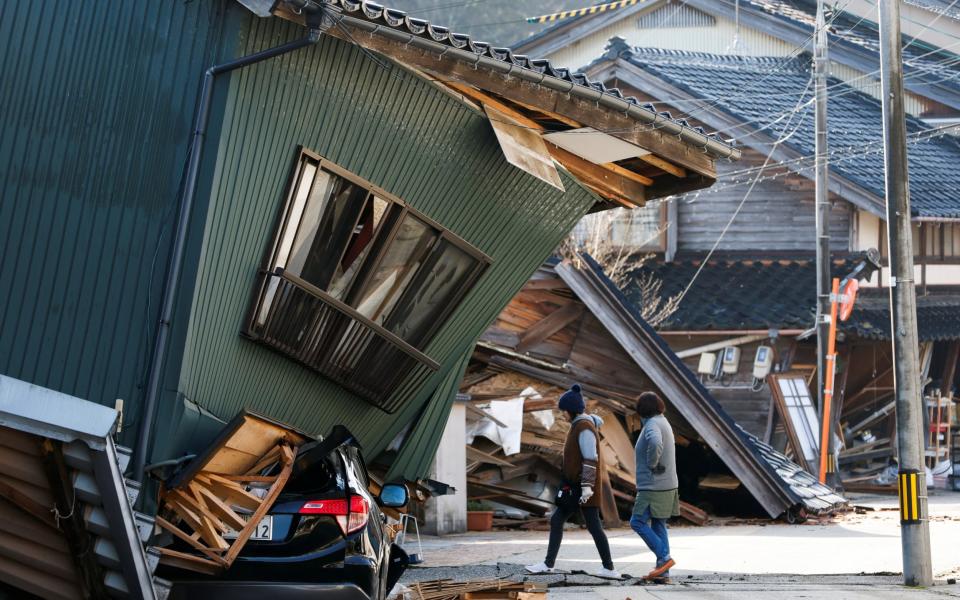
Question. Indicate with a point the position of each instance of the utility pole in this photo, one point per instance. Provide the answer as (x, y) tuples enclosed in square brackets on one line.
[(822, 210), (914, 518)]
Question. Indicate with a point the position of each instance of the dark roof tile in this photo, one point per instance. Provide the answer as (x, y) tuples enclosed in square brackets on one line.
[(763, 90), (398, 19), (780, 294)]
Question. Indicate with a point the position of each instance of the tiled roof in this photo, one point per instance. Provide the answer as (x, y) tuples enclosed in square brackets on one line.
[(771, 87), (398, 21), (848, 29), (939, 7), (815, 497), (921, 62), (781, 294)]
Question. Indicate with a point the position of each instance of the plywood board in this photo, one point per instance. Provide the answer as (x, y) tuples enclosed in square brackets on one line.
[(524, 148)]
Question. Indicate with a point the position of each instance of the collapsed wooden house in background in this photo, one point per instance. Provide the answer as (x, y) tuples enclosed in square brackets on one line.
[(570, 324), (737, 309)]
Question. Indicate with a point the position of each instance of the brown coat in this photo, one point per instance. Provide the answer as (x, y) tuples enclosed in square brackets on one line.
[(573, 461)]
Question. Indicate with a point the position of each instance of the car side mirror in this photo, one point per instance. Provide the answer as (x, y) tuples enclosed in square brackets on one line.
[(394, 495)]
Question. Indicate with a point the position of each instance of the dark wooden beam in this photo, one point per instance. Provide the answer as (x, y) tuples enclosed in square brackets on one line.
[(549, 325), (550, 283), (853, 401), (950, 367)]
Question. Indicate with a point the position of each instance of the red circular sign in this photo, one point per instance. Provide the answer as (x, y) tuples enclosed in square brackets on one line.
[(849, 296)]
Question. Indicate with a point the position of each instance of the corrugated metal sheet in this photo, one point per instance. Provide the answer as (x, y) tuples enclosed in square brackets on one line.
[(415, 457), (97, 102), (62, 491), (389, 127)]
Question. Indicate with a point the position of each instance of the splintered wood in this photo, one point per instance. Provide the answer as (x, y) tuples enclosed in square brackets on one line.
[(546, 340), (494, 589), (215, 504)]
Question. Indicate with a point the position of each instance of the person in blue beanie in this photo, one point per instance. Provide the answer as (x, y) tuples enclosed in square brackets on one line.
[(658, 497), (584, 475)]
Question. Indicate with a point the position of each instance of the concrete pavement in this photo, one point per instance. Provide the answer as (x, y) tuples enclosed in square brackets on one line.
[(727, 560)]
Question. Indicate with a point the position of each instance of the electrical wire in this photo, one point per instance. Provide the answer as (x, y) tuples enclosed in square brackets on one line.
[(743, 201)]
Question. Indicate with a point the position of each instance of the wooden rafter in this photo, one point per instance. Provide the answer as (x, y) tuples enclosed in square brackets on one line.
[(549, 325), (606, 180), (642, 179), (623, 190), (483, 98), (664, 165)]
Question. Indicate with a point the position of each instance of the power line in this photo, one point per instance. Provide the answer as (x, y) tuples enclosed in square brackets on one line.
[(743, 201)]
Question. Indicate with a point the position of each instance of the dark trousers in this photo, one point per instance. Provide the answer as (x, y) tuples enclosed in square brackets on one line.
[(592, 516)]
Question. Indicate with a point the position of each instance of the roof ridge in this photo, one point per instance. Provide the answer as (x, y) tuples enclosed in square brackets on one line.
[(666, 56)]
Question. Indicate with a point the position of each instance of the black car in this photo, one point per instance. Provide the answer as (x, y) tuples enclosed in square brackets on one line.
[(324, 537)]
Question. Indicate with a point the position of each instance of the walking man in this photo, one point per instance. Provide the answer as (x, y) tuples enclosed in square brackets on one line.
[(584, 475), (657, 495)]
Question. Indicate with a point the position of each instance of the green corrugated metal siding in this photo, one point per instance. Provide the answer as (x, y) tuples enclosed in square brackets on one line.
[(415, 457), (97, 101), (395, 130)]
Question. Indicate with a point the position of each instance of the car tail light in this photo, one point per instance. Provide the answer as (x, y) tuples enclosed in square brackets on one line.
[(351, 514)]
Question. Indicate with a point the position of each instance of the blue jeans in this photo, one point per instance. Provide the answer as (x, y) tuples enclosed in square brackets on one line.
[(654, 534)]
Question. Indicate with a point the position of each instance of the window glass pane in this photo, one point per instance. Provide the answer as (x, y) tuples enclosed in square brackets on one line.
[(396, 268), (442, 277), (333, 232), (307, 221), (802, 415), (359, 246), (287, 247)]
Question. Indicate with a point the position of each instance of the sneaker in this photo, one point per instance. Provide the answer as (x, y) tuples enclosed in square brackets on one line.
[(605, 573), (540, 568)]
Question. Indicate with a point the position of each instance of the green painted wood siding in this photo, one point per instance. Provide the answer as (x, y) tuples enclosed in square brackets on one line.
[(97, 100), (399, 132)]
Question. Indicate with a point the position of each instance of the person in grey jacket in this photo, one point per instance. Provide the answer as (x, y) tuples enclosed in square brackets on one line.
[(657, 495)]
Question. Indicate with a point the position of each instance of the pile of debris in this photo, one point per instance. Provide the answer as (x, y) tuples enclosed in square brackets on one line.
[(495, 589), (515, 446), (867, 461), (867, 426)]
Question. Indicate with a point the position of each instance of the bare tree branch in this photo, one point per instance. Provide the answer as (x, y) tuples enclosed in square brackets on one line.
[(621, 258)]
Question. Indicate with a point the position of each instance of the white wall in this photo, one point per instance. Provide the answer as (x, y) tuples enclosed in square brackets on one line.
[(869, 228), (448, 514)]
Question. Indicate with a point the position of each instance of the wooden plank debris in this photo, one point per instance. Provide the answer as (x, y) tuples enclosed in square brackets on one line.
[(226, 490), (492, 589)]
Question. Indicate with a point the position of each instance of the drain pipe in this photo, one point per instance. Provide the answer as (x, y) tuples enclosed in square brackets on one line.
[(317, 25)]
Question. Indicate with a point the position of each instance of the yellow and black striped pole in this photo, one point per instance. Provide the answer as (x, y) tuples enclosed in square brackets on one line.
[(909, 486), (579, 12)]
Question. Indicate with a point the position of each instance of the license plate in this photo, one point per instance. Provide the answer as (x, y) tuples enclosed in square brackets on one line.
[(263, 531)]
